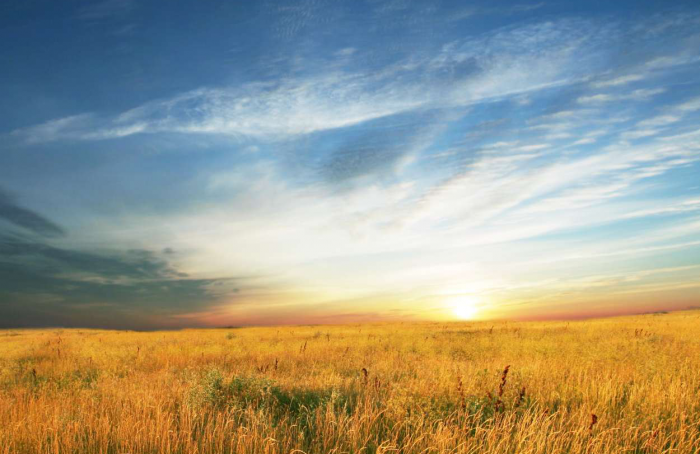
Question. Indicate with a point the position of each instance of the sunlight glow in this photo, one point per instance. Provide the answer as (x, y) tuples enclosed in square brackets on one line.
[(464, 307)]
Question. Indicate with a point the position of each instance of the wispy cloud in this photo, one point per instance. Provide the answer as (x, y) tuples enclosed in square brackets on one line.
[(504, 64), (636, 95), (618, 81), (25, 218)]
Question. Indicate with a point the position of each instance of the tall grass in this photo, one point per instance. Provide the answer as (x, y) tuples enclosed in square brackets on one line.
[(622, 385)]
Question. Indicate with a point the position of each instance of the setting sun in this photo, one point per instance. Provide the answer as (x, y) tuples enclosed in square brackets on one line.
[(464, 307)]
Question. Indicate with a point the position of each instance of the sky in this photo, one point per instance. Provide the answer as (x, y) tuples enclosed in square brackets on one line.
[(192, 164)]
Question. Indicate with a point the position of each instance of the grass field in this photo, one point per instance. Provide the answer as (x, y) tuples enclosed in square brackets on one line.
[(502, 387)]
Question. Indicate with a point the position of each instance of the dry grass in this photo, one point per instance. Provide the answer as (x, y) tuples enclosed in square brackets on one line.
[(623, 385)]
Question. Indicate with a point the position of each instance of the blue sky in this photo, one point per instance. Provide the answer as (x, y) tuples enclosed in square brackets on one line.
[(225, 163)]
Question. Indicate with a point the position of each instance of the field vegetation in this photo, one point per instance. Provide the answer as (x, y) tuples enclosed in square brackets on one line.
[(618, 385)]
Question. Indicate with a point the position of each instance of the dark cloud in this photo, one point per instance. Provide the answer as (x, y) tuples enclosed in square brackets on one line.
[(42, 284), (135, 288), (371, 154), (374, 150), (27, 219), (132, 264)]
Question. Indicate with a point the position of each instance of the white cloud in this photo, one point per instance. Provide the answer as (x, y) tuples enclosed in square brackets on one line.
[(668, 61), (636, 95), (622, 80), (506, 63), (661, 120), (599, 98), (346, 51), (689, 106), (644, 93), (638, 134), (673, 115), (528, 148), (53, 129), (584, 141), (684, 206)]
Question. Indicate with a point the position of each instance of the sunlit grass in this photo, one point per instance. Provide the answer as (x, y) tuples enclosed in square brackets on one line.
[(413, 388)]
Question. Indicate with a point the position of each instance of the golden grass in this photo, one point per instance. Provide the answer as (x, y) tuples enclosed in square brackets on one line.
[(425, 388)]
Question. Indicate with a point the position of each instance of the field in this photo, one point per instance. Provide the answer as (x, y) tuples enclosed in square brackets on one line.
[(618, 385)]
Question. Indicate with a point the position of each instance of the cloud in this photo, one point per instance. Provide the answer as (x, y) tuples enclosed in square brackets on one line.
[(132, 288), (684, 206), (57, 129), (618, 81), (27, 219), (669, 61), (44, 285), (672, 115), (636, 95), (599, 98), (689, 106), (346, 51), (506, 63), (639, 133), (661, 120), (584, 141), (377, 150)]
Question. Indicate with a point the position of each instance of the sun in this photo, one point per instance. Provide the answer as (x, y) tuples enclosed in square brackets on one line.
[(464, 307)]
